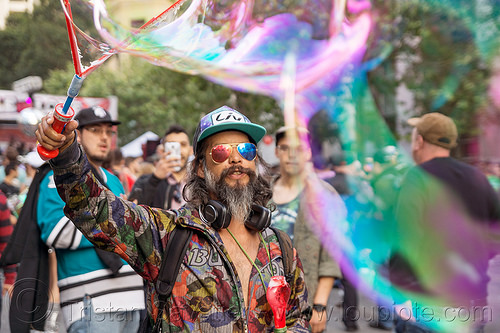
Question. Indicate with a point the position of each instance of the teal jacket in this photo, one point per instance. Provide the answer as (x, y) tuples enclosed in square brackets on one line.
[(80, 271)]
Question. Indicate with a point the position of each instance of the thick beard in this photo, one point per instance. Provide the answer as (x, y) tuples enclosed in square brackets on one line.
[(238, 199)]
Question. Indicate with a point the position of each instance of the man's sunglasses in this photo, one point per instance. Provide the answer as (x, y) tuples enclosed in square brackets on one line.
[(221, 152)]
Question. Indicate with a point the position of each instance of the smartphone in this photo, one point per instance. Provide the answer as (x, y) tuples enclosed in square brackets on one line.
[(173, 150)]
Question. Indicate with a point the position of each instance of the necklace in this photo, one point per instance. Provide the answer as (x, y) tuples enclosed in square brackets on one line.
[(250, 259)]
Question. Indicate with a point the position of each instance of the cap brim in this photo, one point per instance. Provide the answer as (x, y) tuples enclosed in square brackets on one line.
[(413, 121), (254, 131), (114, 122)]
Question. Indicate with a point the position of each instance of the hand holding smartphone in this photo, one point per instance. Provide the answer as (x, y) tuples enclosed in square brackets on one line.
[(173, 150)]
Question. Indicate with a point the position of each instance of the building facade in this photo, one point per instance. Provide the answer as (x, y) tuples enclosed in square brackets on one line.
[(14, 6)]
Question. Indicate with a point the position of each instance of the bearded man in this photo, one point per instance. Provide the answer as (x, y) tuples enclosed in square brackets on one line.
[(231, 256)]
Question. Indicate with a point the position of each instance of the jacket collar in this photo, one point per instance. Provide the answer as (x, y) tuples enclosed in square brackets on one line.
[(190, 218)]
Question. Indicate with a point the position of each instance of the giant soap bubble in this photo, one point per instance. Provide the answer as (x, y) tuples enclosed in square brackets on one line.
[(343, 68)]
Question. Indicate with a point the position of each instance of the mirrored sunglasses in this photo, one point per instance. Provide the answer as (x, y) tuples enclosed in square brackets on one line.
[(221, 152)]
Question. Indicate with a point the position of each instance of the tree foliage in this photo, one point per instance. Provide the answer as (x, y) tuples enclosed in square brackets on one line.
[(13, 41), (35, 43), (435, 55)]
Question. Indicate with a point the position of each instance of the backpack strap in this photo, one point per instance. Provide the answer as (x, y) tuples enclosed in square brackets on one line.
[(286, 252), (173, 256), (177, 246)]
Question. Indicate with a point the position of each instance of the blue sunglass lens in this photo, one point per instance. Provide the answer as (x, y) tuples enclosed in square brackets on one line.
[(248, 151)]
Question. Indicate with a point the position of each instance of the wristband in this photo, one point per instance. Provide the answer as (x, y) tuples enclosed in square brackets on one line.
[(319, 307)]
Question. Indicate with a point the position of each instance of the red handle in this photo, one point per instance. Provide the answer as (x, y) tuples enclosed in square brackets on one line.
[(60, 121), (278, 294)]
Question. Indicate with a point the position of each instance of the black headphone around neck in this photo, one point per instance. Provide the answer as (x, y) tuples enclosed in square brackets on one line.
[(218, 216)]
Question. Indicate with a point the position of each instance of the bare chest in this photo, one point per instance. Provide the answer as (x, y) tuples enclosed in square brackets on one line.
[(242, 263)]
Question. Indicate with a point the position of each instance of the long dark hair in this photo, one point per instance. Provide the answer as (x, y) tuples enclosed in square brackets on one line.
[(196, 193)]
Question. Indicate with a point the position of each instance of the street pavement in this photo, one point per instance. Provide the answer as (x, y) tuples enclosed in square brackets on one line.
[(367, 312)]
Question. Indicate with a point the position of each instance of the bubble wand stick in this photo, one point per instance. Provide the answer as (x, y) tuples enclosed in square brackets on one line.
[(63, 113)]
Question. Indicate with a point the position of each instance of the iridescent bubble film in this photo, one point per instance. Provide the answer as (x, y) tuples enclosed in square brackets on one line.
[(353, 72)]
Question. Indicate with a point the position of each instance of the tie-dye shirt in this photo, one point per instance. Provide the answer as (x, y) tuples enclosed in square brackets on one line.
[(285, 215), (207, 295)]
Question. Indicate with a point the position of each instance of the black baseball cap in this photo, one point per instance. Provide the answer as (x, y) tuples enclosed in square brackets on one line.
[(94, 115), (226, 119)]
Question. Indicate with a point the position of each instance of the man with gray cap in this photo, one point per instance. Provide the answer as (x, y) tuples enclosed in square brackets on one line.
[(98, 291), (449, 198), (231, 255)]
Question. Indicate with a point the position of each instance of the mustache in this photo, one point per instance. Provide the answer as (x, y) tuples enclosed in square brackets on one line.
[(235, 168)]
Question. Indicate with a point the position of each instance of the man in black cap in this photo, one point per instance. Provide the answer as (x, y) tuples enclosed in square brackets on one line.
[(95, 132), (98, 291), (228, 261)]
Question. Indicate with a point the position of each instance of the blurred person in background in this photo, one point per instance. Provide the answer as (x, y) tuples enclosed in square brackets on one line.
[(10, 183), (10, 187), (163, 188), (6, 227), (437, 193), (133, 166), (319, 268), (145, 168), (115, 163), (11, 156)]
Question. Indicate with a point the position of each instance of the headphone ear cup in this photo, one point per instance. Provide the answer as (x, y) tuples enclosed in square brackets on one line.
[(260, 218), (216, 214)]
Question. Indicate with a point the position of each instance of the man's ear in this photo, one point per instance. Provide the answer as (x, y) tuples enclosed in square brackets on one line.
[(420, 141), (78, 136)]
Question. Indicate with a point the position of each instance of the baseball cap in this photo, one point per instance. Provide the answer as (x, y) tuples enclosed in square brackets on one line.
[(226, 119), (437, 129), (94, 115)]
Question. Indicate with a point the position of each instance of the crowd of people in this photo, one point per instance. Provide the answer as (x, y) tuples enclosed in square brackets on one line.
[(102, 223)]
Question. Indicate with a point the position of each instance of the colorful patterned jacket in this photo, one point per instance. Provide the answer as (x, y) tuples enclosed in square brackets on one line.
[(207, 296)]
